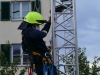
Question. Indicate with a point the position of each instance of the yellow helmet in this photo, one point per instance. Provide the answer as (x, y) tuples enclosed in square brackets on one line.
[(34, 18)]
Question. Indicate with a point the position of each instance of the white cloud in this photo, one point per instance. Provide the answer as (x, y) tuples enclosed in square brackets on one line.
[(93, 23), (88, 25), (90, 30)]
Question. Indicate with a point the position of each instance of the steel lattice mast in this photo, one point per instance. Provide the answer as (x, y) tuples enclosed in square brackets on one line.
[(64, 36)]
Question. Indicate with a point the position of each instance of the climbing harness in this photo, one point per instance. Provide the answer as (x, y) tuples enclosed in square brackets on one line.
[(46, 60)]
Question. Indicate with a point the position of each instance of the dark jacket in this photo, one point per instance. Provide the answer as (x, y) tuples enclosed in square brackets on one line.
[(34, 38)]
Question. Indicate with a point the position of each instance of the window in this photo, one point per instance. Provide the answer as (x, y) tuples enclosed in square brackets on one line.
[(9, 9), (17, 52), (19, 10)]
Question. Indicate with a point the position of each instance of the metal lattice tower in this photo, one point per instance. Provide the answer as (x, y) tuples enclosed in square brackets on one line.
[(64, 36)]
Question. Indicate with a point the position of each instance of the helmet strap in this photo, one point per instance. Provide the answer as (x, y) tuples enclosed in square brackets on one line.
[(34, 26)]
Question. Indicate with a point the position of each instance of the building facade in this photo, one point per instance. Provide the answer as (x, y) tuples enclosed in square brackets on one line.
[(12, 13)]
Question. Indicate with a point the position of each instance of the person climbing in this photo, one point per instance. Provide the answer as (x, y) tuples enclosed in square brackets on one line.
[(32, 39)]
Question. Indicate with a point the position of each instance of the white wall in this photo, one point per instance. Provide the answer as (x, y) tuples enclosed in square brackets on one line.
[(45, 12)]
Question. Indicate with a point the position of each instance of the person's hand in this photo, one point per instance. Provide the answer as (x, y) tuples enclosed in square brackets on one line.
[(48, 55), (49, 48), (49, 19)]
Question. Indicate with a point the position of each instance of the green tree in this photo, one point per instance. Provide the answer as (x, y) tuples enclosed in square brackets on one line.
[(83, 62), (95, 69), (84, 68), (9, 68)]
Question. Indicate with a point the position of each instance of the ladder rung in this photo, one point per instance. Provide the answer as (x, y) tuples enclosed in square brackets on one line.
[(65, 47), (66, 65), (65, 0), (66, 30), (63, 13)]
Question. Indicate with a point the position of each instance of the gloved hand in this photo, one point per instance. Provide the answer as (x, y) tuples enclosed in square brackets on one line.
[(49, 48), (49, 58), (49, 19), (48, 55)]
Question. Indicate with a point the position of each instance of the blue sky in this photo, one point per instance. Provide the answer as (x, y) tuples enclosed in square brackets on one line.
[(88, 26)]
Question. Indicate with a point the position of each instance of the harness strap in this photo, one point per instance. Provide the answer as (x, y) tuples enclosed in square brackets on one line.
[(45, 60), (36, 53)]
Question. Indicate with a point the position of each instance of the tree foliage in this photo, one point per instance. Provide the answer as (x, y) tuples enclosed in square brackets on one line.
[(95, 69), (9, 68), (84, 63)]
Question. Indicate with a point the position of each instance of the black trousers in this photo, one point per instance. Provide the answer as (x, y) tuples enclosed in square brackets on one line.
[(39, 66)]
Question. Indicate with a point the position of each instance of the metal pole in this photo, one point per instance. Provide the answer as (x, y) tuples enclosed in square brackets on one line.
[(53, 26), (76, 45)]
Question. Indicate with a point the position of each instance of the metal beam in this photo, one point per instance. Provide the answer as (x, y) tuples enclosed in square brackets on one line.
[(64, 36)]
